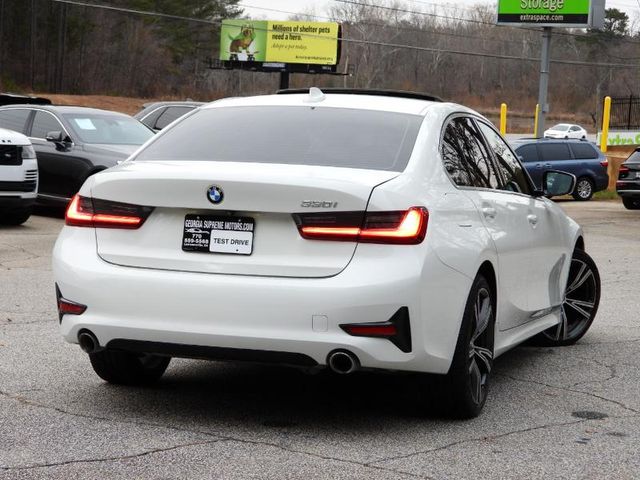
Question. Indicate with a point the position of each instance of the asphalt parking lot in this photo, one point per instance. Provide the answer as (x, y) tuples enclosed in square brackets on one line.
[(570, 412)]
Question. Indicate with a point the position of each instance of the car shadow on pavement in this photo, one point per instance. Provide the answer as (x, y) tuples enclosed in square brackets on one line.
[(280, 397)]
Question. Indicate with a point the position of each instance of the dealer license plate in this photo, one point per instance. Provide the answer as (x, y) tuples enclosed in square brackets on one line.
[(218, 234)]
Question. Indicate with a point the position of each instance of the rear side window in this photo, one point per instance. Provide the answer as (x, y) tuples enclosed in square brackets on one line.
[(583, 151), (309, 135), (151, 118), (14, 119), (171, 114), (465, 156), (513, 174), (550, 152), (529, 153)]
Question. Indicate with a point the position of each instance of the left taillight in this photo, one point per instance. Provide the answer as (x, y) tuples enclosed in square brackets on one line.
[(406, 227), (98, 213)]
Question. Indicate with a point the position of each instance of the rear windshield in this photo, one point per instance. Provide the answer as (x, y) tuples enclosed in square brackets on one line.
[(334, 137), (634, 157)]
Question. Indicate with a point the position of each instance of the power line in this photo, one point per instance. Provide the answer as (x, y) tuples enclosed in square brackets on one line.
[(367, 42), (387, 25), (467, 20), (138, 12)]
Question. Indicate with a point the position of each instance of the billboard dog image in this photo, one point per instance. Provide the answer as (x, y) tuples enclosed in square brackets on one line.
[(241, 43)]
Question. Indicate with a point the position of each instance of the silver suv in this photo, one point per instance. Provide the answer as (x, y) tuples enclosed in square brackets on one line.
[(18, 177)]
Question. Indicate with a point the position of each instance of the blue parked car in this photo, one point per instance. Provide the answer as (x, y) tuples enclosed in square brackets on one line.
[(579, 157)]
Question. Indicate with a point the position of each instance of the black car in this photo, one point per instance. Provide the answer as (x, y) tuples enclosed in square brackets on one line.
[(160, 114), (628, 184), (72, 143), (17, 98)]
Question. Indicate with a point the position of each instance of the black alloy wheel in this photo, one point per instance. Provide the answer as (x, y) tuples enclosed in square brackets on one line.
[(128, 368), (481, 347), (462, 393), (580, 303)]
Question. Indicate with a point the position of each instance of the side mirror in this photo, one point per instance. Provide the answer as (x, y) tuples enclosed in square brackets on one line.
[(61, 140), (556, 183), (55, 137)]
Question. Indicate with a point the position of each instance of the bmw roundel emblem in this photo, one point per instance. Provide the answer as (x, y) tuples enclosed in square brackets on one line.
[(215, 194)]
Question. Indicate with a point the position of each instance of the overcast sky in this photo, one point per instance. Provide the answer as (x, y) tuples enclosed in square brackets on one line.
[(632, 7)]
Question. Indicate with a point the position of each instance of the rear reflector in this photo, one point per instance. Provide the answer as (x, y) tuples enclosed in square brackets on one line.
[(94, 212), (407, 227), (370, 329), (397, 329)]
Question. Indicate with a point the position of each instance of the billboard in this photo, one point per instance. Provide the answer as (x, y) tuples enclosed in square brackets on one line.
[(545, 13), (279, 42)]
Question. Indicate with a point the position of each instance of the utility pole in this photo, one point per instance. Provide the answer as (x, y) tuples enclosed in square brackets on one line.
[(1, 40), (544, 80), (32, 45)]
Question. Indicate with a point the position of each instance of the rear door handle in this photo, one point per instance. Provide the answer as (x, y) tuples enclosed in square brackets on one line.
[(533, 219), (489, 212), (547, 165)]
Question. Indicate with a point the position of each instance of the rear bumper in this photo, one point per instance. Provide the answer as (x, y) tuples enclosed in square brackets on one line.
[(17, 201), (628, 188), (296, 316)]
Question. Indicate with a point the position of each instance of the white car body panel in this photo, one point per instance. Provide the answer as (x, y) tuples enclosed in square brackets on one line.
[(27, 171), (139, 284)]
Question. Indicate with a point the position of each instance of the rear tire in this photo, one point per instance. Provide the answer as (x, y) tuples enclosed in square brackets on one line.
[(462, 393), (16, 217), (631, 203), (580, 305), (583, 190), (125, 368)]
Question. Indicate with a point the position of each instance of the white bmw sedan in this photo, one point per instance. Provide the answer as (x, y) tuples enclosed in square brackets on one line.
[(335, 229)]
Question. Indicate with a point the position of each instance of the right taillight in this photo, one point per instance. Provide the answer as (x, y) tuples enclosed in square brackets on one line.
[(407, 227), (94, 212), (605, 163), (623, 172)]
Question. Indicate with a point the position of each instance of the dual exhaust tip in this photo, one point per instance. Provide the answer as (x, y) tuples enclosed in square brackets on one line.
[(343, 362)]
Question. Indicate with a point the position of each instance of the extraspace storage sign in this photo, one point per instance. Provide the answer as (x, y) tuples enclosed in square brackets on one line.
[(279, 42), (545, 13)]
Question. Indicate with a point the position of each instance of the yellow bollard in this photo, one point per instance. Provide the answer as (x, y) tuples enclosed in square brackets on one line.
[(535, 119), (503, 118), (606, 114)]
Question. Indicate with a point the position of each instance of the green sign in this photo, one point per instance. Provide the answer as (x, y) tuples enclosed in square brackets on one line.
[(621, 138), (545, 13)]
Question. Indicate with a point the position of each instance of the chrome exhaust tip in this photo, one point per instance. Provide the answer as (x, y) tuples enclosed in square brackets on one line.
[(343, 362)]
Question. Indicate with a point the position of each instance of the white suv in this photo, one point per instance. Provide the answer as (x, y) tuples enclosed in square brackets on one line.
[(18, 177)]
